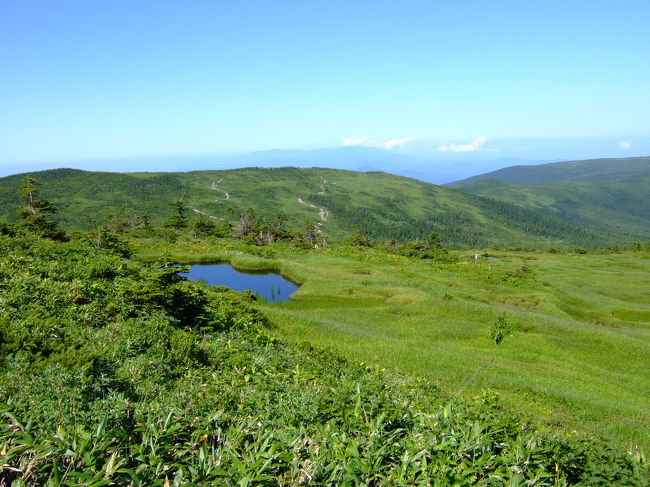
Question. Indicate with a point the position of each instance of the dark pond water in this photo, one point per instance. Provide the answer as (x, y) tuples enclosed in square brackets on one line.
[(271, 287)]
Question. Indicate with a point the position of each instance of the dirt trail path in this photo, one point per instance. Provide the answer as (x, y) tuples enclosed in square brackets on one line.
[(322, 187), (226, 196), (199, 212), (322, 212)]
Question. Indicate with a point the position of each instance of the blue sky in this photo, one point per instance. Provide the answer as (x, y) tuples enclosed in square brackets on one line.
[(106, 79)]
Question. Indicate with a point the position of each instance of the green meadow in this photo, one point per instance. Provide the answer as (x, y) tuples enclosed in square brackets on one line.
[(395, 363), (577, 358)]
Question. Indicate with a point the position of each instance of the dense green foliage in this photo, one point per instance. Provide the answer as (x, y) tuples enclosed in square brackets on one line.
[(608, 194), (620, 206), (316, 202), (86, 199), (119, 373)]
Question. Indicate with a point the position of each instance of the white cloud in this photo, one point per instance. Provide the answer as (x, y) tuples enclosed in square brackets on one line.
[(624, 144), (386, 144), (350, 141), (472, 146), (390, 143)]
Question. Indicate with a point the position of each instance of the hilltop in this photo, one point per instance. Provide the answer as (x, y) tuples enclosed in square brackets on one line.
[(380, 205)]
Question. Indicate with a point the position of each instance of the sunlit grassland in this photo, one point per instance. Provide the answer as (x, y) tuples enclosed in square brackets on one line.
[(578, 358)]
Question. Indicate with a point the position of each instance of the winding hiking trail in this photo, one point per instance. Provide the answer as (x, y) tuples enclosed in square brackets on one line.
[(226, 196), (322, 187), (322, 212)]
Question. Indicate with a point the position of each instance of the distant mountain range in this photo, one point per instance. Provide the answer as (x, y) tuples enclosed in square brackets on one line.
[(357, 158)]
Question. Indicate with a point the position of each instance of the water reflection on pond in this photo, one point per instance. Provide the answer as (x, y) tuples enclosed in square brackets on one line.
[(271, 287)]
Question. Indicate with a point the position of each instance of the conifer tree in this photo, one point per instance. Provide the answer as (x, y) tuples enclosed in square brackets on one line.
[(37, 213), (179, 220)]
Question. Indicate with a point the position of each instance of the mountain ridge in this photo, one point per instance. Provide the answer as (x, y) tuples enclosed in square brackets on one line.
[(584, 170), (381, 205), (434, 168)]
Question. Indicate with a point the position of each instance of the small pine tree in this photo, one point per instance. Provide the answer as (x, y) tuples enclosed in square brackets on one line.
[(248, 225), (309, 237), (179, 220), (433, 242), (204, 227), (37, 213), (279, 228), (358, 239), (103, 238)]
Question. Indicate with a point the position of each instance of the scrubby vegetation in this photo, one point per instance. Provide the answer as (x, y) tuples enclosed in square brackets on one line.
[(115, 372), (118, 373)]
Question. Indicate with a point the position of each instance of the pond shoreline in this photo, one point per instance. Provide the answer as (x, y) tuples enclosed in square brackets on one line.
[(250, 270), (270, 286)]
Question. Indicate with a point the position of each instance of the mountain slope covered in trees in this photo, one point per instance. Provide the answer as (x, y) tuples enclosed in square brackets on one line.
[(380, 205), (610, 194)]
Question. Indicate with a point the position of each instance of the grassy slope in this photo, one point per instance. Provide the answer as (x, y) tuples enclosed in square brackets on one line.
[(589, 170), (115, 373), (579, 356), (618, 206), (382, 205)]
